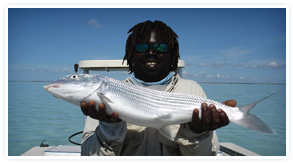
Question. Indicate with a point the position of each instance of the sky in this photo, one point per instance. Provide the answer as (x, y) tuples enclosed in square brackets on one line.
[(234, 45)]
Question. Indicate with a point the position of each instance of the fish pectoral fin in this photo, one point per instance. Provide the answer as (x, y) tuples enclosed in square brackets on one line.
[(104, 98), (167, 132)]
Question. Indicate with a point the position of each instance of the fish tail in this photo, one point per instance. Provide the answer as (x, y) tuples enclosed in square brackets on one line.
[(251, 121)]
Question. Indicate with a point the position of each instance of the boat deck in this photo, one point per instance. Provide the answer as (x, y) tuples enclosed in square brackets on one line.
[(228, 149)]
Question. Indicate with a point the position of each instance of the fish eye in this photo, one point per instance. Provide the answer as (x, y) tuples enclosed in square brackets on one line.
[(74, 76)]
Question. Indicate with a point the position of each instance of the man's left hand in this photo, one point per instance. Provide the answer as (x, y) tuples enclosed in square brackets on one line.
[(211, 118)]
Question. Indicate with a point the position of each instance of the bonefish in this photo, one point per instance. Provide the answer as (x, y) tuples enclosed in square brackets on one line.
[(144, 106)]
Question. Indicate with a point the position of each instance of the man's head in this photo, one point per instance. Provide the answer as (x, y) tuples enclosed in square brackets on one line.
[(152, 51)]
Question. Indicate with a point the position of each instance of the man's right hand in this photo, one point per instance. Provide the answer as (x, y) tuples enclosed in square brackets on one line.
[(89, 109)]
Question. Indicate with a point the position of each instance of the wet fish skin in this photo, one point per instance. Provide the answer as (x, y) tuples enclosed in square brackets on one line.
[(146, 107)]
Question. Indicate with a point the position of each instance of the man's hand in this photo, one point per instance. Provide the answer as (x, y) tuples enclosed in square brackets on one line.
[(89, 109), (211, 118)]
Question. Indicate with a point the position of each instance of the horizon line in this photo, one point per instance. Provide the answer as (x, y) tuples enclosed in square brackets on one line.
[(252, 83)]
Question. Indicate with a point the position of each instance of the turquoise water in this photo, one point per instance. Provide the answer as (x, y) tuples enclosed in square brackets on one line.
[(35, 115), (272, 111)]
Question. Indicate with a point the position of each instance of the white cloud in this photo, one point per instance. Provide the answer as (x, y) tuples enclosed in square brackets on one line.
[(237, 65), (271, 65), (218, 75), (253, 66), (218, 65), (235, 50), (200, 74), (202, 65), (94, 23), (35, 69), (63, 70)]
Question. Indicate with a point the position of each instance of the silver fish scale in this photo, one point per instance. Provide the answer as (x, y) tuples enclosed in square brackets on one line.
[(127, 110), (153, 103), (143, 106), (147, 107)]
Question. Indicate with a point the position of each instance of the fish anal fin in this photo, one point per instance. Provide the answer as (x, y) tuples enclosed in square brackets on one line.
[(167, 132)]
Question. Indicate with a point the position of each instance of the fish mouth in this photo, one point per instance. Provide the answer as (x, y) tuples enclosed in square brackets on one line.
[(47, 87)]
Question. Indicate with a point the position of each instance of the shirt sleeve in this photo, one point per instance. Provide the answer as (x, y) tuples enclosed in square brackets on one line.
[(199, 144), (101, 138), (191, 143)]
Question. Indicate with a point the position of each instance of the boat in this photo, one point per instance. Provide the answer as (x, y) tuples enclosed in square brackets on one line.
[(226, 149)]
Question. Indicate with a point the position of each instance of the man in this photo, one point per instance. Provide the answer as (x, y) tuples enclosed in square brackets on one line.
[(152, 53)]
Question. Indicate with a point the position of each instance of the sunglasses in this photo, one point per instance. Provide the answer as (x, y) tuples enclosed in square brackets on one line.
[(144, 47)]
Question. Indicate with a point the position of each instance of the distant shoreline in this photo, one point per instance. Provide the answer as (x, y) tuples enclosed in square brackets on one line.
[(28, 81), (198, 82), (242, 83)]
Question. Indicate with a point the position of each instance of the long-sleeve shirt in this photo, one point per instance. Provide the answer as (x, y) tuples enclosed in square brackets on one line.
[(125, 139)]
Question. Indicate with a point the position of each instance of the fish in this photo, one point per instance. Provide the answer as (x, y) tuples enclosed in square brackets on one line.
[(145, 106)]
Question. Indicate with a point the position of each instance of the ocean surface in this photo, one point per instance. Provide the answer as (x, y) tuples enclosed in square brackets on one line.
[(35, 115)]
